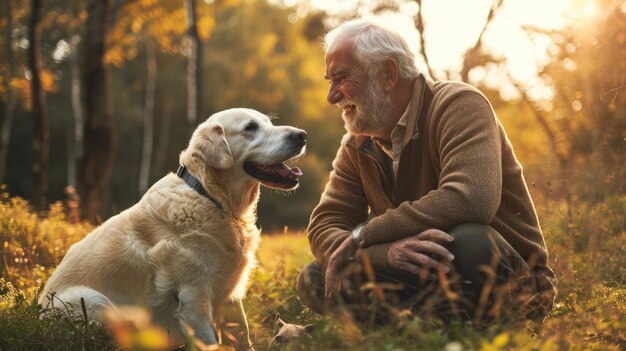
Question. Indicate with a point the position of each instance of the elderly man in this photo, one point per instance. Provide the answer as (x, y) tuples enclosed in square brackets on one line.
[(426, 207)]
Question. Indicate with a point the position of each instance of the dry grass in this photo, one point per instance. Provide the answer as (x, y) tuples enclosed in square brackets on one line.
[(586, 243)]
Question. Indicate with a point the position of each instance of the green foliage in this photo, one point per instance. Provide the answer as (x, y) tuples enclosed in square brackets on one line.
[(33, 246), (587, 112), (594, 233), (588, 314), (253, 57), (24, 326)]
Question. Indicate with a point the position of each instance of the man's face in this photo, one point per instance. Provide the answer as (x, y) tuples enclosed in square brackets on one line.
[(362, 99)]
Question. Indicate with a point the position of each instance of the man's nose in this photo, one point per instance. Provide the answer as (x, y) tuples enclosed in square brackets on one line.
[(334, 95)]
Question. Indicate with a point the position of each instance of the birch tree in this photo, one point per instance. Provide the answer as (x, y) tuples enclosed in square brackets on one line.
[(194, 60), (41, 131), (148, 117)]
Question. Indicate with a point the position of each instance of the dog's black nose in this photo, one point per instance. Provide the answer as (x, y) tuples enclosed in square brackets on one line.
[(298, 137)]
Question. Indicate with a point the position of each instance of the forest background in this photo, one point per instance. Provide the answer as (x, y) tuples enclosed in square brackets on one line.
[(103, 95), (98, 98)]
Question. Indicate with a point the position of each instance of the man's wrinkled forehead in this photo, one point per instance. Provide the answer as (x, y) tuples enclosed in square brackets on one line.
[(339, 59)]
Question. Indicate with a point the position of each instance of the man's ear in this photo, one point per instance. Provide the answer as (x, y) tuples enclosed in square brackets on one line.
[(391, 72), (209, 145)]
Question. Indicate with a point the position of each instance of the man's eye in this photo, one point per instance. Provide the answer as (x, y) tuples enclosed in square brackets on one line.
[(335, 80), (251, 127)]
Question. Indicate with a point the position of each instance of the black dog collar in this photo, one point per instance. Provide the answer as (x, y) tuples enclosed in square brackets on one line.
[(195, 184)]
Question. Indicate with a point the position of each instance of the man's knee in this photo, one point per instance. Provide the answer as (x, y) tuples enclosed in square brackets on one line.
[(481, 244), (472, 242), (470, 232), (475, 251), (480, 251)]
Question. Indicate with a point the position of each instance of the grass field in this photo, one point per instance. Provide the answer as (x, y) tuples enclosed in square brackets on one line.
[(586, 244)]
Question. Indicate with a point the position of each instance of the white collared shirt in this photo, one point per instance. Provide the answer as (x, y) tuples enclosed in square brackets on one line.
[(397, 140)]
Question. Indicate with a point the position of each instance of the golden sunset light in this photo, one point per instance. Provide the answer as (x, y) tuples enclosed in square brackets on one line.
[(293, 175), (453, 26)]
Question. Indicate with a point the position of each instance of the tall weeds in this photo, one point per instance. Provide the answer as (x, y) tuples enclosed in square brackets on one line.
[(33, 245), (586, 242)]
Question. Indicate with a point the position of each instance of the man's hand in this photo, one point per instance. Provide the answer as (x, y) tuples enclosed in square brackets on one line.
[(337, 264), (413, 253)]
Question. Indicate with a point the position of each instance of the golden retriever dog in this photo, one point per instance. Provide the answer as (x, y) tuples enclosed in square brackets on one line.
[(185, 250)]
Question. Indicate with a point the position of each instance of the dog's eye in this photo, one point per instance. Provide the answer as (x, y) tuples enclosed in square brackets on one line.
[(251, 127)]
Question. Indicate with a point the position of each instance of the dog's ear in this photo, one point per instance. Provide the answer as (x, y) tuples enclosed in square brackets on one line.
[(209, 144), (280, 321)]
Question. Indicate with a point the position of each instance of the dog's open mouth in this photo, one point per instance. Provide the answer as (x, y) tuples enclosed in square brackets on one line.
[(274, 176)]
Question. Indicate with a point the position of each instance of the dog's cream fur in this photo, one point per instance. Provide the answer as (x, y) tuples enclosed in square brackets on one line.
[(175, 252)]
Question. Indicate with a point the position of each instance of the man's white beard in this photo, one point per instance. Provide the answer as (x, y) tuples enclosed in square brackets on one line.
[(372, 110)]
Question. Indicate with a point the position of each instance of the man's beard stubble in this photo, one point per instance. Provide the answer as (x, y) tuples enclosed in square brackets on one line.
[(372, 109)]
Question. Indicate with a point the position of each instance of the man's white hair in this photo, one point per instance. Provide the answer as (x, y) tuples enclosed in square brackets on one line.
[(373, 43)]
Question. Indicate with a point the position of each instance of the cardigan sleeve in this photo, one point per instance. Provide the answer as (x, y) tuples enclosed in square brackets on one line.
[(341, 208), (464, 140)]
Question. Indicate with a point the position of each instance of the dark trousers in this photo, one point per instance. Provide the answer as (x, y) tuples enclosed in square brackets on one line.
[(488, 280)]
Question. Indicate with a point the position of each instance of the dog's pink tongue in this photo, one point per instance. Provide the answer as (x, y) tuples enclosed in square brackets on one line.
[(296, 171), (285, 171)]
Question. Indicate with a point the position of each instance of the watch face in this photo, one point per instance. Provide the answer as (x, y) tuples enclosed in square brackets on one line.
[(356, 236)]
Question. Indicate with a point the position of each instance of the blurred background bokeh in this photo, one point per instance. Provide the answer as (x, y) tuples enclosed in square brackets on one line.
[(101, 95)]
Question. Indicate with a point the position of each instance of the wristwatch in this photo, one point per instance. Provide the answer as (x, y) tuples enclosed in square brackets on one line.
[(357, 237)]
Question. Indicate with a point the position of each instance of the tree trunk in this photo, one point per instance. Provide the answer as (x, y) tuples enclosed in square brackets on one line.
[(193, 66), (75, 129), (148, 117), (7, 122), (41, 131), (96, 163), (163, 144)]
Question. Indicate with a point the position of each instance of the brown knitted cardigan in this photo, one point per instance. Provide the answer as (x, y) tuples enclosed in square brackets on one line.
[(458, 167)]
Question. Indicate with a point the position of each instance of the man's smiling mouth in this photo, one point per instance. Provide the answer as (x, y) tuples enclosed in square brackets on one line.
[(347, 107)]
